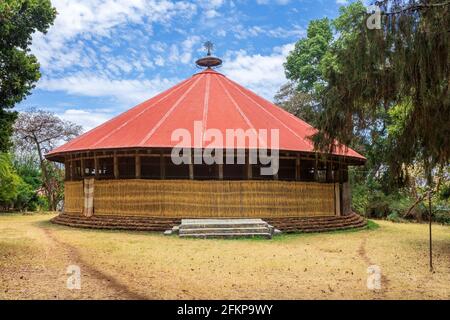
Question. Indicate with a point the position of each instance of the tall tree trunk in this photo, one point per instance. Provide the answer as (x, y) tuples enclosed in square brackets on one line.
[(429, 227), (45, 177), (428, 172)]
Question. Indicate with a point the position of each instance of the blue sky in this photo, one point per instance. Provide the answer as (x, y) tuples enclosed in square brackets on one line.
[(102, 57)]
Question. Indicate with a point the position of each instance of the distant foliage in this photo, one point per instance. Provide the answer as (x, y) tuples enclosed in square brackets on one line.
[(385, 93), (297, 102), (37, 132), (19, 69), (402, 67)]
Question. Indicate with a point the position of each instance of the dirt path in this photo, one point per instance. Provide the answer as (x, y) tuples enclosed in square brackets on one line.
[(362, 252), (74, 256), (35, 256)]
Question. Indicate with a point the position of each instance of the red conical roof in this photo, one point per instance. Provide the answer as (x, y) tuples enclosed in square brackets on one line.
[(207, 96)]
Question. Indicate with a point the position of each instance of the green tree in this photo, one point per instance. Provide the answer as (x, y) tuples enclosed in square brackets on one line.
[(9, 182), (376, 136), (19, 69), (303, 63), (303, 68), (37, 132), (404, 63), (297, 102), (402, 66), (27, 167)]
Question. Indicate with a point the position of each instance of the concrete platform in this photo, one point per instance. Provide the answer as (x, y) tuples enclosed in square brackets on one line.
[(223, 228)]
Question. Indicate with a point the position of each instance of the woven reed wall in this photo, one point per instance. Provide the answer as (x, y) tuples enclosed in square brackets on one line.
[(187, 198), (73, 197)]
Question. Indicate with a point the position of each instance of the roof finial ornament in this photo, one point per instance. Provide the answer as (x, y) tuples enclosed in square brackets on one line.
[(209, 46), (209, 61)]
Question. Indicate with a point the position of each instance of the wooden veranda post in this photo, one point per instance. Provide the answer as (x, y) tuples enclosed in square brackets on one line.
[(138, 166), (429, 227), (116, 166)]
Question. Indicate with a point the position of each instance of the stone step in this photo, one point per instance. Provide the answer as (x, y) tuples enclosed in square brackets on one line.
[(219, 226), (312, 224), (285, 224), (327, 229), (116, 219), (142, 228), (184, 231), (115, 223), (227, 235), (286, 220), (223, 228), (318, 218)]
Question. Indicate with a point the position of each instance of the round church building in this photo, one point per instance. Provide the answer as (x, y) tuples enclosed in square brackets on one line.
[(205, 148)]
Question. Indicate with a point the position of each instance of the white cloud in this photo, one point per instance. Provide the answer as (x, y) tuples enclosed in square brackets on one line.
[(158, 46), (262, 74), (280, 2), (211, 13), (243, 32), (88, 19), (126, 91), (88, 119), (342, 2), (210, 4), (159, 61), (183, 53), (221, 33)]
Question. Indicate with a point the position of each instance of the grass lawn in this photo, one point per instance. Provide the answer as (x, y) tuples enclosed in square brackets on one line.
[(34, 256)]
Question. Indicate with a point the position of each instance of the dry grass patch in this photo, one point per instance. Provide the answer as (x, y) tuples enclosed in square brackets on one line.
[(150, 265)]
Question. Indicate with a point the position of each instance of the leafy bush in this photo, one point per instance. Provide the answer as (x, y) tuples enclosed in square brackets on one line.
[(10, 182), (369, 199), (42, 203), (394, 217), (441, 216), (444, 193), (25, 196)]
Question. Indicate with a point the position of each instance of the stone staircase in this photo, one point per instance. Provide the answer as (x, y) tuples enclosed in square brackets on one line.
[(117, 223), (223, 228), (318, 224), (285, 224)]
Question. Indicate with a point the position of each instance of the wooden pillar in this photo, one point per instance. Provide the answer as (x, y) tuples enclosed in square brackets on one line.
[(329, 171), (116, 166), (162, 167), (341, 187), (248, 166), (70, 168), (297, 168), (138, 166), (191, 166), (96, 166), (220, 171), (82, 166), (191, 171), (337, 199), (66, 168), (316, 167)]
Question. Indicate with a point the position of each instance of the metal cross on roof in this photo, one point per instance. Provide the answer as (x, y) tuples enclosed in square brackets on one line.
[(208, 61), (209, 46)]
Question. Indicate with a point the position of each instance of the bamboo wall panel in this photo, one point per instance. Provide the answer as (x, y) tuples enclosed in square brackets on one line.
[(73, 197), (187, 198)]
